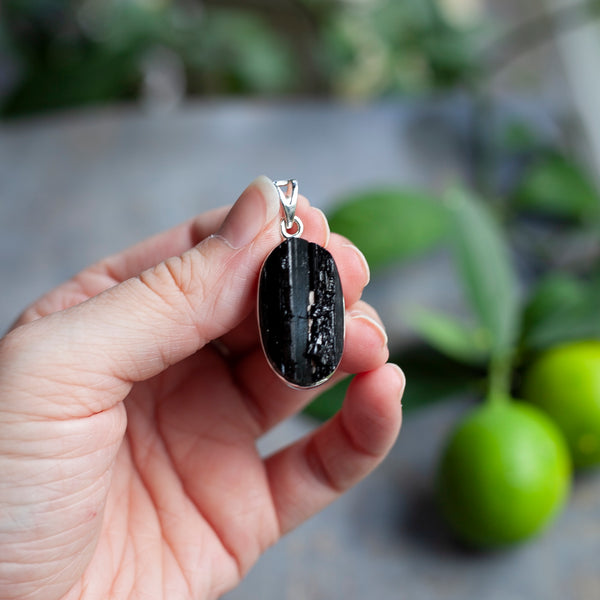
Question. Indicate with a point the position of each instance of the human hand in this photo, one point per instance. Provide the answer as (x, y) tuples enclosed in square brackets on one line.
[(131, 398)]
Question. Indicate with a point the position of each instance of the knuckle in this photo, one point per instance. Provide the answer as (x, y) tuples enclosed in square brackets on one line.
[(179, 281), (180, 270)]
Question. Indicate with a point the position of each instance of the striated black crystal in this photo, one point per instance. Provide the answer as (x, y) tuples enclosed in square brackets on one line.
[(301, 312)]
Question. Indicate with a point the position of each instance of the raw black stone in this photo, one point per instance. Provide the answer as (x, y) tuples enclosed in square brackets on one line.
[(301, 312)]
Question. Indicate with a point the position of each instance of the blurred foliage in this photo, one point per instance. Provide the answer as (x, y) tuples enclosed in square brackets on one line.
[(483, 263), (464, 342), (57, 53), (405, 223), (558, 187), (375, 48), (561, 308), (513, 313), (419, 362)]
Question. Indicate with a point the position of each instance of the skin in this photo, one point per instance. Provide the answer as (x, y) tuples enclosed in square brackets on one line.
[(131, 399)]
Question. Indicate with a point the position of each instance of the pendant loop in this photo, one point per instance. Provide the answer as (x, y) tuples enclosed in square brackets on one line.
[(285, 231), (288, 196)]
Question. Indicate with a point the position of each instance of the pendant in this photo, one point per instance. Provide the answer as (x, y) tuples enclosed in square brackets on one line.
[(300, 304)]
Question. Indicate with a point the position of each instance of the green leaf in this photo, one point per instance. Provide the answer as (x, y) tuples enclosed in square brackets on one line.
[(237, 51), (550, 296), (328, 403), (483, 261), (559, 187), (519, 136), (560, 309), (453, 338), (431, 377), (390, 224)]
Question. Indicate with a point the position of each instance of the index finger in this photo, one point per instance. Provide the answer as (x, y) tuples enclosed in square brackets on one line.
[(119, 267)]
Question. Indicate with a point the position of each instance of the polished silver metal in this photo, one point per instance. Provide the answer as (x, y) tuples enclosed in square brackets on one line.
[(288, 196), (286, 231)]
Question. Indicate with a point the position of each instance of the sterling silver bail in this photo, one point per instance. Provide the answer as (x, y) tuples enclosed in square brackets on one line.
[(288, 196), (287, 189)]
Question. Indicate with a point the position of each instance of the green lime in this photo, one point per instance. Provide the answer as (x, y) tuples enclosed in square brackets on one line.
[(504, 475), (565, 383)]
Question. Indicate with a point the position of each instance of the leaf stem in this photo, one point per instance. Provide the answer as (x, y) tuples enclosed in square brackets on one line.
[(499, 379)]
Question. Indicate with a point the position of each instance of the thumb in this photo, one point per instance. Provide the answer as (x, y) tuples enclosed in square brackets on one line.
[(138, 328)]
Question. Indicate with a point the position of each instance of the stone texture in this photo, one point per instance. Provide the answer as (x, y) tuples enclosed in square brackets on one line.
[(301, 312)]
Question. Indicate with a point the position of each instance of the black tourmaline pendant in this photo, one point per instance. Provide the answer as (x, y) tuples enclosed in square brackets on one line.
[(301, 312)]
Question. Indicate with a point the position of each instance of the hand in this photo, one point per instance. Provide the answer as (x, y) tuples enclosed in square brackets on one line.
[(132, 396)]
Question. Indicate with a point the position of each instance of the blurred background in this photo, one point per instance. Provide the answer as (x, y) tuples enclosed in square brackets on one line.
[(456, 142)]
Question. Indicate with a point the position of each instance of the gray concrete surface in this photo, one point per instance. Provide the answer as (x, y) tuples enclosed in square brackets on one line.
[(76, 187), (384, 540)]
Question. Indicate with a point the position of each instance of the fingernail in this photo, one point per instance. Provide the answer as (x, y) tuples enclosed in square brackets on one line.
[(401, 376), (362, 258), (257, 205), (326, 222), (374, 324)]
